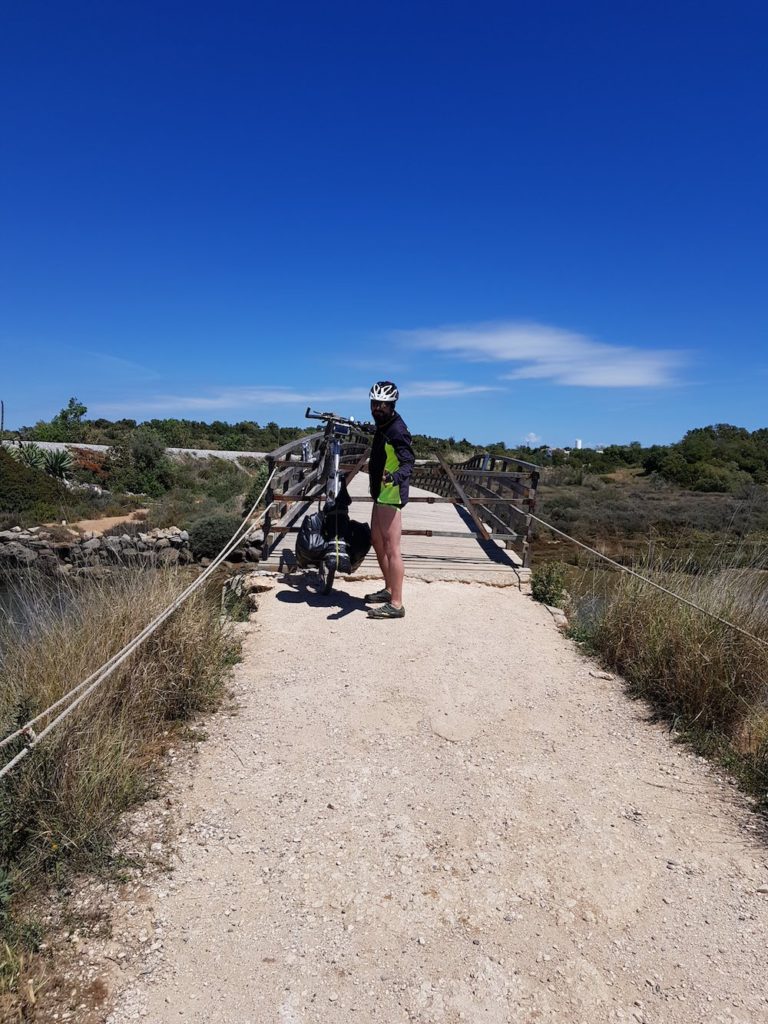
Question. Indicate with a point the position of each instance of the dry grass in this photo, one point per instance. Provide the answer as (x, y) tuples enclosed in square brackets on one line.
[(708, 677), (60, 806)]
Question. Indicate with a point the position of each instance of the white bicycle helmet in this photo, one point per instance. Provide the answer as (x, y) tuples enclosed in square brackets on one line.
[(384, 391)]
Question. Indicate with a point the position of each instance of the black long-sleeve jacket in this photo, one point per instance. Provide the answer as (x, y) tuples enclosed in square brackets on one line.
[(392, 452)]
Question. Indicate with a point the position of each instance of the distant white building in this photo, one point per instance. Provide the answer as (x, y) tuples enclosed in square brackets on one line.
[(578, 444)]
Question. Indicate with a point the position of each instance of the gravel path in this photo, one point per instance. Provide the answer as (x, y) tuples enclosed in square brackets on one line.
[(448, 818)]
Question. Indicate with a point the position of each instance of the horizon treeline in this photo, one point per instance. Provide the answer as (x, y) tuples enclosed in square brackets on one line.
[(716, 458)]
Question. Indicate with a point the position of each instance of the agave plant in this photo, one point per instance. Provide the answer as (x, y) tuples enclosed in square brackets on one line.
[(29, 454), (56, 462)]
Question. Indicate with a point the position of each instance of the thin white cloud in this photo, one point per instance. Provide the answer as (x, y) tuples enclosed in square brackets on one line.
[(550, 353), (532, 438), (443, 389), (243, 398), (116, 364), (232, 399)]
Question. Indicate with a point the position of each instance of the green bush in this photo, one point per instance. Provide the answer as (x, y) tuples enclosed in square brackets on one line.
[(141, 466), (208, 536), (548, 584), (57, 462), (28, 493)]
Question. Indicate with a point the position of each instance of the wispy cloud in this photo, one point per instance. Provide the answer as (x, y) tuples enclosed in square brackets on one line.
[(224, 399), (116, 364), (532, 438), (550, 353), (238, 399), (443, 389)]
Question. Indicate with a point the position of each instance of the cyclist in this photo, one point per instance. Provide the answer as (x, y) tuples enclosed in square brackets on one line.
[(389, 470)]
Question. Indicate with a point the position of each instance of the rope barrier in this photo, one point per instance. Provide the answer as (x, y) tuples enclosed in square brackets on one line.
[(664, 590), (650, 582), (93, 681), (74, 697)]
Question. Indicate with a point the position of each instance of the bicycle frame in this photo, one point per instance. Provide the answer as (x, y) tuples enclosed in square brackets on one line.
[(335, 515)]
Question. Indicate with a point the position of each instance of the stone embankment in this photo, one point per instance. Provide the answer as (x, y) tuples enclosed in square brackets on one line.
[(57, 550)]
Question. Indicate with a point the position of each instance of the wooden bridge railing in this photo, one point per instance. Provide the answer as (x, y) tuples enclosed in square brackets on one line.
[(498, 492)]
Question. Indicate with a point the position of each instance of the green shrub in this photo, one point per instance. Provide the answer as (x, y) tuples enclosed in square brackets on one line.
[(208, 536), (28, 454), (548, 584), (28, 494), (57, 462), (141, 466)]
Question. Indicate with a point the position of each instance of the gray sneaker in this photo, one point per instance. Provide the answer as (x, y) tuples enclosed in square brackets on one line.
[(380, 597), (387, 611)]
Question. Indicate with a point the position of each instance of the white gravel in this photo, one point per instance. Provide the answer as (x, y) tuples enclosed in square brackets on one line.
[(445, 818)]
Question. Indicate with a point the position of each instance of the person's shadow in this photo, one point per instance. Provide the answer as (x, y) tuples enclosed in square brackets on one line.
[(304, 590)]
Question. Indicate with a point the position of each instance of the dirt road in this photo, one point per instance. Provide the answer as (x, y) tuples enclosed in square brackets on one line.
[(447, 818)]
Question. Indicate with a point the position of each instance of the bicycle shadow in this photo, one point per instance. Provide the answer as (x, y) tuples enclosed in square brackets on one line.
[(304, 591)]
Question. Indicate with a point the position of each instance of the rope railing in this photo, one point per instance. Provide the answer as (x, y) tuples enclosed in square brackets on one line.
[(77, 694), (651, 583)]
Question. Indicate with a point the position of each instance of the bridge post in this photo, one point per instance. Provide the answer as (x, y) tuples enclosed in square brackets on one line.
[(268, 515), (531, 503)]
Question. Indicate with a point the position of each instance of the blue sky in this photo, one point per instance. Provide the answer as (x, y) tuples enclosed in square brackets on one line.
[(543, 221)]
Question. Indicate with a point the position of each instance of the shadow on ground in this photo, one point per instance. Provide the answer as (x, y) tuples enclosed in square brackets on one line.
[(304, 590)]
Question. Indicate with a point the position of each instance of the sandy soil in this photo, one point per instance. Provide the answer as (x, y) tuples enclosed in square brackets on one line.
[(446, 818), (107, 522)]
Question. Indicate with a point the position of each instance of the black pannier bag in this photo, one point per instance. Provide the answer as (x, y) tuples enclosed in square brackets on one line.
[(358, 542), (310, 542), (332, 534)]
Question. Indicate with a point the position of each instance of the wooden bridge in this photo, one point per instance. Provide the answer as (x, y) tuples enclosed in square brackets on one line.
[(463, 521)]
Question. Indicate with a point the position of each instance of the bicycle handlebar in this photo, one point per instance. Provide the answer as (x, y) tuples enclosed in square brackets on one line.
[(332, 417)]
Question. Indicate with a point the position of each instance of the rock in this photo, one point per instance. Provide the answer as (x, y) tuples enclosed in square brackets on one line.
[(92, 544), (561, 620), (162, 542), (6, 535), (17, 553), (168, 556), (762, 889), (600, 675), (252, 554)]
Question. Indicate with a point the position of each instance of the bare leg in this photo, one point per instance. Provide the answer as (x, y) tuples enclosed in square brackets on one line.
[(377, 539), (385, 535)]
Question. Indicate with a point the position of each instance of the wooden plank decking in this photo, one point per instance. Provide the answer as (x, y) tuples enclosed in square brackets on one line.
[(464, 558)]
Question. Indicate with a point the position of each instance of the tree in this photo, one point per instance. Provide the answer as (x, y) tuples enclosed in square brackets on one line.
[(70, 420)]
